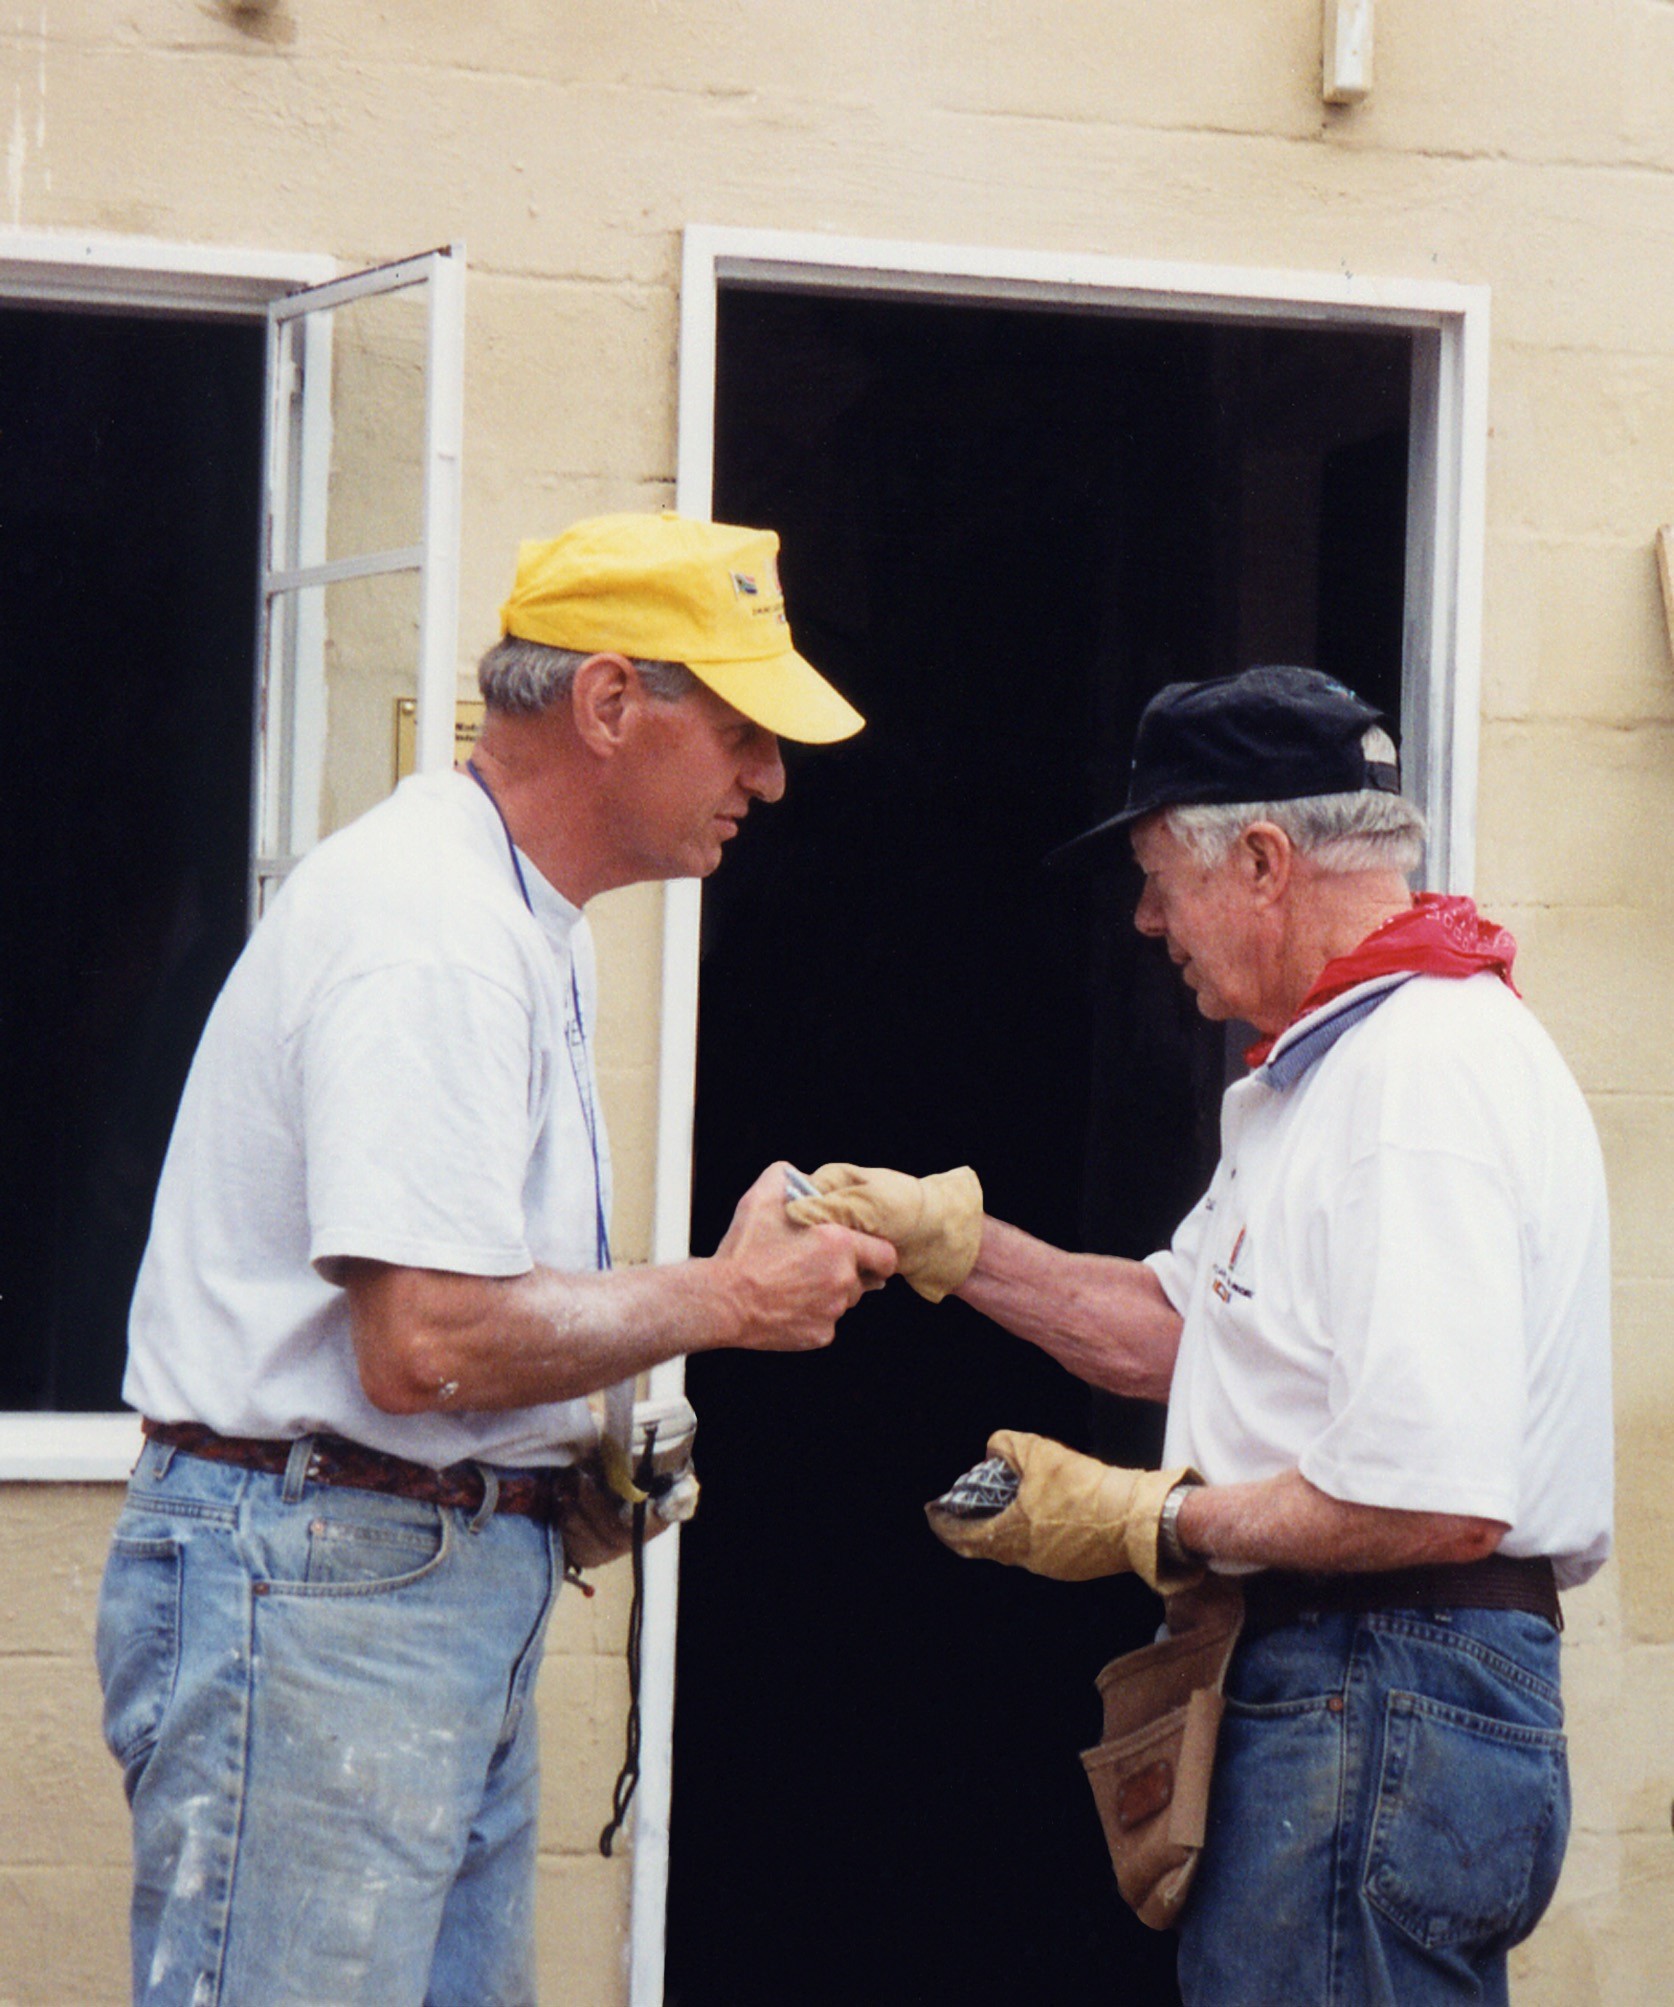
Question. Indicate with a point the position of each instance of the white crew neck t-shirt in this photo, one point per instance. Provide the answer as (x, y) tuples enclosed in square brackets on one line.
[(1398, 1280), (394, 1070)]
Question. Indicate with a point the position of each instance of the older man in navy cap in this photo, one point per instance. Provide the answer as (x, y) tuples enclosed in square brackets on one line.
[(1382, 1337)]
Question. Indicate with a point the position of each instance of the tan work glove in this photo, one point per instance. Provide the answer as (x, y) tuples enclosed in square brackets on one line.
[(1073, 1518), (935, 1222)]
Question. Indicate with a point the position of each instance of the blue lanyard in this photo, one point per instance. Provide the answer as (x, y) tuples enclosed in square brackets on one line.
[(575, 1038)]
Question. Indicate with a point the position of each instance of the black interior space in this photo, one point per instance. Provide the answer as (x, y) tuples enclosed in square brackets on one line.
[(1003, 530), (130, 458)]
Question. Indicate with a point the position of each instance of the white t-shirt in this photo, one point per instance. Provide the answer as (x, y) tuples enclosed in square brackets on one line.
[(1398, 1280), (393, 1071)]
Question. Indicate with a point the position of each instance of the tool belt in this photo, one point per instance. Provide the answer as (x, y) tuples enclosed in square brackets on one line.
[(1150, 1772)]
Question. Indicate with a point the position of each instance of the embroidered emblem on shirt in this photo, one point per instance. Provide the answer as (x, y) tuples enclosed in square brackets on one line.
[(1223, 1279)]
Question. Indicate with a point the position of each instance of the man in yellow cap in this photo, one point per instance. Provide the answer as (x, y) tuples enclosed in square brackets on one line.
[(375, 1337)]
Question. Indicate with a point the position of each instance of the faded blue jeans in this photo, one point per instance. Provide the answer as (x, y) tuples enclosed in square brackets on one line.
[(322, 1702), (1389, 1812)]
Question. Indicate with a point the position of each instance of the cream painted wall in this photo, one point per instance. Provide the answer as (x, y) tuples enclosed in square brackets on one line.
[(1523, 144)]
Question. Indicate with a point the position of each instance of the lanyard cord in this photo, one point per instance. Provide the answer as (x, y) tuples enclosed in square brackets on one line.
[(575, 1038)]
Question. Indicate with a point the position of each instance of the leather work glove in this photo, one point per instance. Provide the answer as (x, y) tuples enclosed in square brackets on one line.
[(1073, 1518), (935, 1223)]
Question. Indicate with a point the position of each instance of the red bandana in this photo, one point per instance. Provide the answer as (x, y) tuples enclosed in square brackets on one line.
[(1438, 936)]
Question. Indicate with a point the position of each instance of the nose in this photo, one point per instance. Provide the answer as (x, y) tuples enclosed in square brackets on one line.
[(764, 771), (1147, 916)]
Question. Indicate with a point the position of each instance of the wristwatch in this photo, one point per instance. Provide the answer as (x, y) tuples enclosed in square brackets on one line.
[(1169, 1544)]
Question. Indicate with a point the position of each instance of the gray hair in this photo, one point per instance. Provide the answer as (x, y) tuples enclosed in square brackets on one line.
[(525, 676), (1364, 831)]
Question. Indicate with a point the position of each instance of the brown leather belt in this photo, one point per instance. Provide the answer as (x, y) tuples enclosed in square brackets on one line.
[(533, 1494), (1500, 1582)]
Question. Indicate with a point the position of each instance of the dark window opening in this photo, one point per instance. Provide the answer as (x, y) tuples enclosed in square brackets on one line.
[(130, 464), (1003, 530)]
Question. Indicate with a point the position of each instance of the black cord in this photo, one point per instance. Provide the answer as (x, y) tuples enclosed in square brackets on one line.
[(627, 1778)]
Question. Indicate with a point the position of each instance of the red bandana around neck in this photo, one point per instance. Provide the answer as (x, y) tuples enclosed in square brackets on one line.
[(1439, 935)]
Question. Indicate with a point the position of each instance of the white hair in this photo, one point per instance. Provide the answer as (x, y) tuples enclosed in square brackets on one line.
[(525, 676), (1364, 831)]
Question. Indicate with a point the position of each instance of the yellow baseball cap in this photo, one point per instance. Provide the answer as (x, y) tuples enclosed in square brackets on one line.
[(669, 589)]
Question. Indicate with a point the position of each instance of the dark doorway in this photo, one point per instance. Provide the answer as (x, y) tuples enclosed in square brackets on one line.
[(130, 465), (1004, 529)]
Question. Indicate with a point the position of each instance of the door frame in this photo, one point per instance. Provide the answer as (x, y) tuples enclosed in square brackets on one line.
[(1440, 673)]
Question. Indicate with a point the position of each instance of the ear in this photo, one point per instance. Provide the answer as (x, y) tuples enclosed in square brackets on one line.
[(1267, 860), (602, 693)]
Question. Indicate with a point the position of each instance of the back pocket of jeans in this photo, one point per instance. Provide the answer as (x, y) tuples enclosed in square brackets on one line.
[(137, 1643), (1471, 1821)]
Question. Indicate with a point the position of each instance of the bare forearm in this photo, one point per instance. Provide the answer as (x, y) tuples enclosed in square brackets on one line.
[(1104, 1319), (1285, 1522), (427, 1339)]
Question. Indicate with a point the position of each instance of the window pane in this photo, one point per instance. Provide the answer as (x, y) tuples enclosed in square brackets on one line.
[(379, 348), (130, 454), (371, 656)]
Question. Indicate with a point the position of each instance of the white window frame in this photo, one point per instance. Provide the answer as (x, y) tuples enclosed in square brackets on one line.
[(126, 274), (290, 748), (1441, 673)]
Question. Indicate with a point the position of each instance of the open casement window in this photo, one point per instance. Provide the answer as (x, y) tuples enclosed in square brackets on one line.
[(318, 491), (360, 558)]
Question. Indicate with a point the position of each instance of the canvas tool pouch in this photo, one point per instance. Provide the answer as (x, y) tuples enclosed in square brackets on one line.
[(596, 1519), (1150, 1772)]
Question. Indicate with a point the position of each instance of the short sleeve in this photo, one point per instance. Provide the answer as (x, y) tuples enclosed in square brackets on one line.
[(418, 1103), (1424, 1307), (1175, 1265)]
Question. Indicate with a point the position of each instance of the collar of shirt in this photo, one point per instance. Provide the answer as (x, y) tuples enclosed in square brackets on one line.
[(1440, 934), (1304, 1043)]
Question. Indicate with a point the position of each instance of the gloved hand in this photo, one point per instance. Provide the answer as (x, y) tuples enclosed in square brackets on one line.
[(1073, 1518), (935, 1222)]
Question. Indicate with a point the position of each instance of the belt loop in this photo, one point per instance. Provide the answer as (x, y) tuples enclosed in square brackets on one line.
[(161, 1462), (296, 1469), (490, 1497)]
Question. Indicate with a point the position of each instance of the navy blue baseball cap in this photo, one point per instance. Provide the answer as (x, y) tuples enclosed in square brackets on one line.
[(1271, 734)]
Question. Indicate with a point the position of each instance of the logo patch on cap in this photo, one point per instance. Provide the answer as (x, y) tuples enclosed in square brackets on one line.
[(761, 592)]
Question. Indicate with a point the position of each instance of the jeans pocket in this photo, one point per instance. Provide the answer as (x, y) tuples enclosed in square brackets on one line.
[(1470, 1825), (137, 1644), (364, 1553)]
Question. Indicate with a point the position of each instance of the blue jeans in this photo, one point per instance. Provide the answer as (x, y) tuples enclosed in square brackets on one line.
[(1389, 1812), (322, 1701)]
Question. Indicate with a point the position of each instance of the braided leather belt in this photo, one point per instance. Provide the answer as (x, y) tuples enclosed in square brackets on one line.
[(533, 1494), (1500, 1582)]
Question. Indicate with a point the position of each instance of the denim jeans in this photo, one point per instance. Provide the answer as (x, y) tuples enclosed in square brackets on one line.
[(322, 1702), (1389, 1812)]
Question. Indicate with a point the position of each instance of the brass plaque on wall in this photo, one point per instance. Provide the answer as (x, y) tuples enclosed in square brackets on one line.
[(467, 729)]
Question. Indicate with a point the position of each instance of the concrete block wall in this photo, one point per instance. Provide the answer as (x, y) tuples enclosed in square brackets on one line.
[(64, 1839), (1523, 144)]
